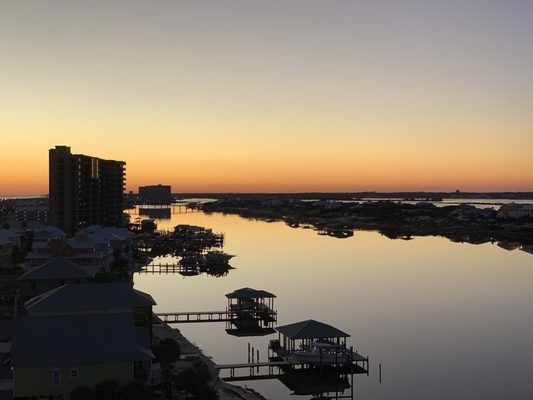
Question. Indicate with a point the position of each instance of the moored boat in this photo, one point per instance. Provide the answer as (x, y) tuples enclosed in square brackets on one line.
[(322, 353)]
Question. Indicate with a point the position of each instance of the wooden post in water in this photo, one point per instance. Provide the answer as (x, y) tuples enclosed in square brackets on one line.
[(258, 360), (379, 372)]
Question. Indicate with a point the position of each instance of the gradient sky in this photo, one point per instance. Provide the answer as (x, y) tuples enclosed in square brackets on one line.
[(296, 95)]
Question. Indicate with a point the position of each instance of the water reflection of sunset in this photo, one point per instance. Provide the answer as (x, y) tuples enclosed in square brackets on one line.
[(400, 300)]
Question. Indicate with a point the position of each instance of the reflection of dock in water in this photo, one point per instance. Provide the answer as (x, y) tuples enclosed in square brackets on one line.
[(173, 209), (158, 213), (183, 269)]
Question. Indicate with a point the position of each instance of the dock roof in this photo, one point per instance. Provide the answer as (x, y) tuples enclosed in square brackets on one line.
[(310, 329), (249, 293)]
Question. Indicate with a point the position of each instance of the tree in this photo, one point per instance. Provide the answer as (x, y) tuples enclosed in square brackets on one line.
[(195, 380), (134, 391), (111, 390), (106, 390), (82, 393), (188, 380), (167, 350)]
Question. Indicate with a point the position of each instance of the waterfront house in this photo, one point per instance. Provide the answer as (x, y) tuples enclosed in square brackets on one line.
[(52, 355), (94, 298), (79, 335)]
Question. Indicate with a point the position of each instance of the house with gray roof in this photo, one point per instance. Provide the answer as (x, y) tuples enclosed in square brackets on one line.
[(52, 355), (97, 298), (92, 246), (90, 298)]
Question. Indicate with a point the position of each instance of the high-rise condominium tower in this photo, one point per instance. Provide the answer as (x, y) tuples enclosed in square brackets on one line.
[(84, 190)]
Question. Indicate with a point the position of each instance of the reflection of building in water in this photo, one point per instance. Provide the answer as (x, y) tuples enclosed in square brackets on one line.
[(156, 194), (155, 212)]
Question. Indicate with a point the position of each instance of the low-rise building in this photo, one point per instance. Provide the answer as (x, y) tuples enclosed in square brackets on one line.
[(120, 239), (79, 335), (53, 355), (94, 246), (51, 243), (155, 194), (35, 209)]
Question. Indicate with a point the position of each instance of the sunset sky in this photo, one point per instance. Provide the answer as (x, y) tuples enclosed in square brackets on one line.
[(296, 95)]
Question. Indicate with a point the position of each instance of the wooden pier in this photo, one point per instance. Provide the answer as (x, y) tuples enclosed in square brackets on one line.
[(195, 316), (274, 370)]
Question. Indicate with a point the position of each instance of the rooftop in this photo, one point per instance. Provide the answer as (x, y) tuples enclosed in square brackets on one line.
[(249, 293), (58, 269), (310, 329), (90, 296)]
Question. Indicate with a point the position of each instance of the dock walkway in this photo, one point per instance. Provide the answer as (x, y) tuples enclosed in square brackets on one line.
[(195, 316)]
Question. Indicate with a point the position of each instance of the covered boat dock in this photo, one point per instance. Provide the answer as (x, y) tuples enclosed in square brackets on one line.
[(251, 312)]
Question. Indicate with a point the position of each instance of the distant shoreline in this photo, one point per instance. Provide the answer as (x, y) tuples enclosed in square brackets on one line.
[(526, 195), (396, 220), (420, 195)]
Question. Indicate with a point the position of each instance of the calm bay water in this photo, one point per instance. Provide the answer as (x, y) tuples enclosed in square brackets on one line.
[(446, 320)]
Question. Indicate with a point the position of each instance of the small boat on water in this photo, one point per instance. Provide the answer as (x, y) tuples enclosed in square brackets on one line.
[(322, 353)]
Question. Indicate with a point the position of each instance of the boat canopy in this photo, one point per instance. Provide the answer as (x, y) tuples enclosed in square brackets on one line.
[(249, 293), (310, 329)]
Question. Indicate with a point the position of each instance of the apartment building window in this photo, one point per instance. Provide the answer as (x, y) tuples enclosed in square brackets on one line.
[(74, 373)]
